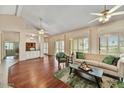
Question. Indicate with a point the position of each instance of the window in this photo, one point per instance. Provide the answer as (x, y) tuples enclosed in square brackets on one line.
[(79, 44), (75, 45), (45, 47), (9, 46), (59, 45), (85, 45), (121, 44), (112, 43)]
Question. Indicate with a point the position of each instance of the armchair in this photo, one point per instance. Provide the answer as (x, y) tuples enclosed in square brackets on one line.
[(61, 58)]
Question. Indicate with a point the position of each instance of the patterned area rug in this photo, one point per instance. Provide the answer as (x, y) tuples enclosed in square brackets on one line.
[(76, 81)]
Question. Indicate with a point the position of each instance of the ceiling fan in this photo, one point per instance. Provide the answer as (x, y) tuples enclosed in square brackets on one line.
[(41, 31), (106, 14)]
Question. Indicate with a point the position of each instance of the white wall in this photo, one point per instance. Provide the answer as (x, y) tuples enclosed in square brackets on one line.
[(34, 40), (22, 46)]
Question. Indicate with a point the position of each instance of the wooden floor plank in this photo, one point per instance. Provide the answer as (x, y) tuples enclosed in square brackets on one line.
[(35, 73)]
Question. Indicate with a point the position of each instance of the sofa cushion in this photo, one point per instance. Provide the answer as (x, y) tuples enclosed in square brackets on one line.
[(95, 57), (62, 59), (60, 55), (99, 64), (108, 60), (91, 62), (108, 67)]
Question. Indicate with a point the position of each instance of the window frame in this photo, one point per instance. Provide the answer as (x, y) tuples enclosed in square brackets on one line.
[(118, 46), (45, 48), (77, 45), (60, 47)]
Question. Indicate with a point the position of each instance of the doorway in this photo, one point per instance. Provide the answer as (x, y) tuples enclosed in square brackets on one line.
[(11, 50)]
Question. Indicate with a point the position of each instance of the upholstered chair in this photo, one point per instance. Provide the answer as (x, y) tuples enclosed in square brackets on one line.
[(61, 58)]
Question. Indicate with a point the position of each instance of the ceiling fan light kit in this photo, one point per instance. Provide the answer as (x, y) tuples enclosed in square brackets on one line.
[(41, 32), (104, 19)]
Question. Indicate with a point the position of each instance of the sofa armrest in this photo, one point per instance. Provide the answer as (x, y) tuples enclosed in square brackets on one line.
[(120, 67)]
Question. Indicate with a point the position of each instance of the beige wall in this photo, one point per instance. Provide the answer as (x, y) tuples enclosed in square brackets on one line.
[(8, 36), (66, 37), (13, 23), (51, 42), (22, 46), (93, 33), (11, 36), (0, 47)]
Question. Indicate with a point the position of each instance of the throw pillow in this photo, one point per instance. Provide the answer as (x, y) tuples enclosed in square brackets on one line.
[(115, 61), (108, 59)]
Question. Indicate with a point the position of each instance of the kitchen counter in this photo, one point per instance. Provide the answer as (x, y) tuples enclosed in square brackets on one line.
[(32, 54)]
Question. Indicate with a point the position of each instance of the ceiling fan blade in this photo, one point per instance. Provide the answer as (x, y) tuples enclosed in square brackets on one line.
[(93, 20), (98, 14), (117, 13), (36, 27), (114, 8)]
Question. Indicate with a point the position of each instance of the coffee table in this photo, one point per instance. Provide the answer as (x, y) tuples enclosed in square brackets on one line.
[(95, 73)]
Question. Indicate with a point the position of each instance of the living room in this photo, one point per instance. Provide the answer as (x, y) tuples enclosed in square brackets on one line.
[(97, 41), (65, 46)]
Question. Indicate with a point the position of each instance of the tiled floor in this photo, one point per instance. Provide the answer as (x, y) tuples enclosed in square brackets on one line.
[(4, 66)]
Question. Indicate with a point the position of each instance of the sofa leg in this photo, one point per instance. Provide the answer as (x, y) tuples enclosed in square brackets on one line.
[(122, 79)]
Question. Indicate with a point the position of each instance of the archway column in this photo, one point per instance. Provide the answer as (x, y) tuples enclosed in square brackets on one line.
[(41, 44)]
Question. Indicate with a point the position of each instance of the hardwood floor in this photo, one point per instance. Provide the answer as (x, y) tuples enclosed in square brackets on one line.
[(36, 73)]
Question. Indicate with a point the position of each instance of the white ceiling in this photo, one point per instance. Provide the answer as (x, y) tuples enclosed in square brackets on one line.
[(57, 18)]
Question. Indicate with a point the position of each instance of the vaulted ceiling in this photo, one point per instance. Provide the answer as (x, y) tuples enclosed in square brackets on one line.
[(57, 18)]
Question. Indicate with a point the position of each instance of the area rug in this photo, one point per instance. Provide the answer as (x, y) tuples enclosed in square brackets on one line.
[(0, 80), (76, 81)]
